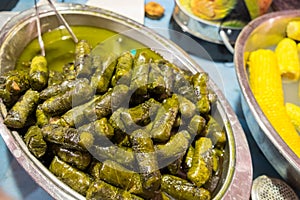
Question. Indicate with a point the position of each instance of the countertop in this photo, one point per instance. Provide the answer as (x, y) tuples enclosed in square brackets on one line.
[(15, 182)]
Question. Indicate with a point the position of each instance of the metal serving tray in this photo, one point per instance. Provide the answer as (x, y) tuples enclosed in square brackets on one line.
[(20, 30)]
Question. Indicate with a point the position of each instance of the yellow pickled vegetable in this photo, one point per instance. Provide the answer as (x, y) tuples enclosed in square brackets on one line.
[(294, 113), (288, 60), (266, 84), (293, 30)]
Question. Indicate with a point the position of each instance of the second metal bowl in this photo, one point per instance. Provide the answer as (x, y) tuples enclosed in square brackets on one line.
[(265, 32)]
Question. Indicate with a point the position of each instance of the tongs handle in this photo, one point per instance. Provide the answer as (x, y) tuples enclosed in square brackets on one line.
[(62, 19), (38, 24)]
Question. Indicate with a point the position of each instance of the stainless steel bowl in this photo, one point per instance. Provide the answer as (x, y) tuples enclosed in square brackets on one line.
[(265, 32), (20, 30), (211, 31)]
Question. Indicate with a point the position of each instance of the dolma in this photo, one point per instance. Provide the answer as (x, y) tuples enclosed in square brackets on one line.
[(107, 103), (180, 188), (196, 125), (153, 55), (142, 113), (156, 82), (200, 80), (35, 142), (212, 183), (103, 128), (123, 70), (164, 120), (127, 120), (178, 121), (61, 103), (75, 117), (104, 72), (101, 108), (83, 62), (203, 104), (217, 159), (146, 158), (187, 108), (76, 179), (122, 155), (214, 131), (217, 156), (122, 122), (61, 88), (115, 174), (12, 85), (8, 98), (15, 81), (189, 157), (200, 83), (139, 78), (175, 148), (201, 169), (98, 56), (95, 169), (19, 113), (120, 96), (55, 78), (42, 118), (122, 140), (99, 128), (69, 71), (78, 159), (168, 73), (56, 120), (38, 73), (104, 191), (183, 87), (68, 137)]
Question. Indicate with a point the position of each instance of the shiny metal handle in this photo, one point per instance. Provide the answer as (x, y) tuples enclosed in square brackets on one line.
[(225, 39), (65, 23)]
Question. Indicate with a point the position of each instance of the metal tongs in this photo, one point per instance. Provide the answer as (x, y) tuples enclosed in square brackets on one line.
[(62, 20)]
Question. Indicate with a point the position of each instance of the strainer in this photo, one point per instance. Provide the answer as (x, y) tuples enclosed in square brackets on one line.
[(266, 188)]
